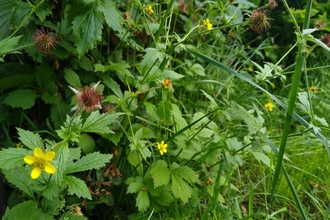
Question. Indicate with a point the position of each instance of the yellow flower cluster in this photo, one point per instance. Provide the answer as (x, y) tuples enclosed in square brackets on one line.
[(207, 24), (269, 106), (149, 10)]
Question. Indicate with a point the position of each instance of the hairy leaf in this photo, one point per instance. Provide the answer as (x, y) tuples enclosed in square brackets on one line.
[(20, 177), (21, 98), (30, 139), (87, 28), (77, 187), (98, 123), (90, 161), (12, 157), (161, 173)]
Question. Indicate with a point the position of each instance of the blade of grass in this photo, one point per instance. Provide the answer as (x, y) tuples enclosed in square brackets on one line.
[(294, 193)]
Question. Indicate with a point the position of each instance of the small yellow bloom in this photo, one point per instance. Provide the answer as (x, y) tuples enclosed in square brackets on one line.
[(250, 69), (149, 10), (269, 106), (162, 148), (40, 161), (167, 83), (207, 24)]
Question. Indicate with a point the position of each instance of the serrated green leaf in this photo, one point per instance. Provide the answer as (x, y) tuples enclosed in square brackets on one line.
[(62, 155), (120, 68), (71, 129), (21, 98), (43, 11), (87, 28), (197, 69), (90, 161), (15, 81), (72, 78), (20, 177), (262, 157), (50, 99), (180, 188), (12, 157), (7, 45), (22, 9), (111, 15), (142, 201), (185, 173), (27, 210), (151, 56), (136, 185), (6, 8), (30, 139), (152, 111), (77, 187), (161, 173), (171, 74), (113, 85), (98, 123)]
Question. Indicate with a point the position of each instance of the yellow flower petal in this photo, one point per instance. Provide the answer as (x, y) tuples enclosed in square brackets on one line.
[(49, 168), (38, 152), (35, 173), (50, 155), (29, 159)]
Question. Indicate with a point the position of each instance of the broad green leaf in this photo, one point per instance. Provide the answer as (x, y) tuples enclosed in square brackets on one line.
[(27, 210), (152, 55), (135, 159), (12, 157), (111, 15), (99, 123), (72, 78), (87, 28), (136, 185), (90, 161), (7, 45), (113, 85), (61, 158), (20, 177), (152, 111), (22, 9), (171, 74), (142, 201), (43, 10), (120, 68), (30, 139), (77, 187), (21, 98), (262, 157), (50, 99), (161, 173), (74, 154), (180, 188), (185, 173), (6, 8)]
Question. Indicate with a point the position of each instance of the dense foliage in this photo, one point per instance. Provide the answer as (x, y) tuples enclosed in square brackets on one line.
[(169, 109)]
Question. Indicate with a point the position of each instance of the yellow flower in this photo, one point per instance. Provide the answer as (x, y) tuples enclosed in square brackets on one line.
[(40, 161), (269, 106), (149, 10), (207, 24), (167, 83), (162, 148)]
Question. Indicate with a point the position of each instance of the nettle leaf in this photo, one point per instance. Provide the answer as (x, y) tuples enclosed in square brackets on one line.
[(27, 210), (72, 78), (71, 129), (7, 45), (77, 187), (21, 98), (161, 173), (142, 201), (111, 15), (180, 188), (98, 123), (20, 177), (90, 161), (29, 139), (87, 28), (12, 157)]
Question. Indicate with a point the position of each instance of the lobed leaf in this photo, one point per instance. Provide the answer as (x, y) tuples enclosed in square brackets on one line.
[(161, 173), (77, 187), (30, 139), (180, 188), (91, 161)]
